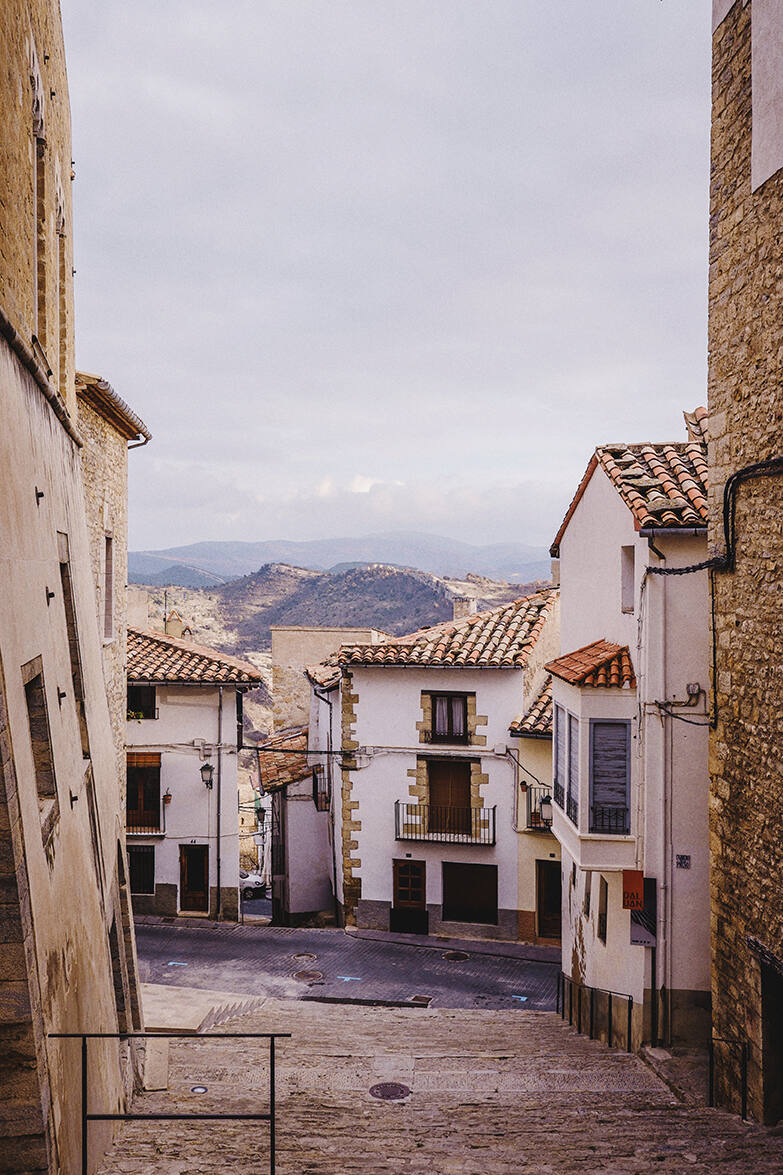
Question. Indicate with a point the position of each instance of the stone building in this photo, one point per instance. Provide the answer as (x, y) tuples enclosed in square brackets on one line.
[(67, 960), (294, 647), (746, 428)]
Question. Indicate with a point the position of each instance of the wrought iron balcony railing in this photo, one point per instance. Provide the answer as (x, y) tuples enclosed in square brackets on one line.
[(558, 794), (614, 819), (467, 826), (534, 820), (143, 823), (572, 809)]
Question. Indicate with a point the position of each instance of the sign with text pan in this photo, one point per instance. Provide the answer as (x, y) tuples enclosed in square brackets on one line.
[(633, 889), (644, 922)]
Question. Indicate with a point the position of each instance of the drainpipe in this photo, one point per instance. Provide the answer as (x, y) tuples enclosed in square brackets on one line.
[(219, 792)]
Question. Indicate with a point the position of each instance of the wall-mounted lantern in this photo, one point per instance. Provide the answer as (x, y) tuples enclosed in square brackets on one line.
[(207, 771), (545, 808)]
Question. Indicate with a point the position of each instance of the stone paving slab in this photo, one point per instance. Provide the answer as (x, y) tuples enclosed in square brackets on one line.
[(492, 1093)]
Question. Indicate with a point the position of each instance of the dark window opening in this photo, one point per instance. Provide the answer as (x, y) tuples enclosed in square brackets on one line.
[(142, 702), (141, 866), (240, 719), (321, 796), (74, 651), (470, 893), (40, 737), (772, 1043), (143, 796), (603, 901), (108, 588), (449, 718), (118, 978)]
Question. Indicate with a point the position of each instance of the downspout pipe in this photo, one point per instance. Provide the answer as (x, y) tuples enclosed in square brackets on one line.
[(324, 697), (218, 909)]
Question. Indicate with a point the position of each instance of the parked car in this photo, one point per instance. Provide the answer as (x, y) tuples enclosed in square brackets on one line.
[(251, 885)]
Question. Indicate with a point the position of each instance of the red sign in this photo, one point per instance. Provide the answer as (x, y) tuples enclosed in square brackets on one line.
[(633, 889)]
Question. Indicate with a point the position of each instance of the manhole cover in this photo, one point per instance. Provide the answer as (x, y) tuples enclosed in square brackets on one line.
[(390, 1091), (304, 958), (456, 956), (308, 976)]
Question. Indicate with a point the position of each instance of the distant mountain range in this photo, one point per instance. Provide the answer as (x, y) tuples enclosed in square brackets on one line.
[(210, 563)]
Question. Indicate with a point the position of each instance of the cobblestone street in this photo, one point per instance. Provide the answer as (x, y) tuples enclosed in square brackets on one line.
[(492, 1093)]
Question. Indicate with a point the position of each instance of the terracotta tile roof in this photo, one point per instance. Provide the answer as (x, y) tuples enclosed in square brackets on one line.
[(501, 639), (598, 664), (537, 721), (278, 768), (325, 675), (155, 657), (103, 399), (663, 485)]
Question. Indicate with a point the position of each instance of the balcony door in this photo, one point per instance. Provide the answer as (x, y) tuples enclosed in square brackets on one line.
[(143, 792), (449, 796)]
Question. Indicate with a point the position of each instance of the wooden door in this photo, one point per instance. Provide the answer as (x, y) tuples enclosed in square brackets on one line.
[(194, 878), (449, 796), (409, 912), (470, 893), (549, 889)]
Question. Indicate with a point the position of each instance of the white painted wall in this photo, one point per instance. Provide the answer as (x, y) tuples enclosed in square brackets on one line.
[(308, 852), (188, 718)]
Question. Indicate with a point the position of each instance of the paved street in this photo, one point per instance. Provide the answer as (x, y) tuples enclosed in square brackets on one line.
[(491, 1093), (334, 965)]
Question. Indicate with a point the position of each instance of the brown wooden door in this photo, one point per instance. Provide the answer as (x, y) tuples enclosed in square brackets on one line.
[(449, 796), (409, 912), (194, 878), (470, 893), (549, 889)]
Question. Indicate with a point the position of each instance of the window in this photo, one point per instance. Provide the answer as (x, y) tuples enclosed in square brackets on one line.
[(321, 795), (449, 796), (143, 797), (141, 702), (603, 900), (566, 785), (610, 764), (108, 588), (449, 718), (141, 864), (240, 719), (627, 578), (588, 889), (470, 893), (41, 744), (74, 652)]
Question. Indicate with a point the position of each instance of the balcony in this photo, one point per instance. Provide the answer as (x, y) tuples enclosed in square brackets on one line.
[(456, 826), (144, 824), (611, 819), (533, 821)]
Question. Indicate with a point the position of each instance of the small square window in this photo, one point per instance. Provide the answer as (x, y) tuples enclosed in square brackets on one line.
[(449, 718), (141, 702)]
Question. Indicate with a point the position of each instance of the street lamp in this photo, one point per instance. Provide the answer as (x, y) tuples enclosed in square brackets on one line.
[(545, 808), (207, 771)]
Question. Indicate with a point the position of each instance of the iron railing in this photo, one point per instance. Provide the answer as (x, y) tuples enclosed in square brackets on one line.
[(467, 826), (571, 998), (558, 794), (572, 809), (86, 1117), (612, 818), (143, 823), (534, 821)]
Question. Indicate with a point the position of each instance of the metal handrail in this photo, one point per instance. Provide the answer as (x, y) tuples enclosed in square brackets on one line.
[(86, 1117), (563, 979)]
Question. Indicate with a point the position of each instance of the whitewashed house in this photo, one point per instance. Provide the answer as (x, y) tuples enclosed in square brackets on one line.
[(425, 793), (184, 728), (631, 723)]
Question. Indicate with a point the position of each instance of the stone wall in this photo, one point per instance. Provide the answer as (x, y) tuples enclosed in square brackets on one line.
[(746, 425)]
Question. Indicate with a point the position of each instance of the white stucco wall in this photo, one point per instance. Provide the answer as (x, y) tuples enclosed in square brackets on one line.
[(308, 852), (188, 717)]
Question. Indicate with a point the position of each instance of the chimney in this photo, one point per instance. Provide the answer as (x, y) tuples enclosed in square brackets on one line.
[(555, 573), (138, 608), (463, 606)]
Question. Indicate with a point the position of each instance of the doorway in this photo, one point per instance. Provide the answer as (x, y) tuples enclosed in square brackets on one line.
[(194, 878), (549, 891), (772, 1043), (408, 914), (470, 893)]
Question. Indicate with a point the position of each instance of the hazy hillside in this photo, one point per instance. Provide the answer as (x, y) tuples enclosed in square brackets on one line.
[(237, 616), (433, 553)]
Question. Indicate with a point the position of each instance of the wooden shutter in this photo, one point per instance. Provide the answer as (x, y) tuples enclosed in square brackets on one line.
[(143, 759), (573, 756), (560, 745), (610, 763)]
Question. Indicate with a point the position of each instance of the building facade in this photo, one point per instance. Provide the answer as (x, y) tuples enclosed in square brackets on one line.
[(183, 734), (294, 647), (631, 723), (67, 962), (746, 428), (426, 798)]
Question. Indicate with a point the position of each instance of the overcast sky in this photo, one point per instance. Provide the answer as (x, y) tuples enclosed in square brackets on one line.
[(367, 265)]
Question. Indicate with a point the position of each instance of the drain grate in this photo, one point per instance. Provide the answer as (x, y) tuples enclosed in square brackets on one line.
[(456, 956), (390, 1091), (308, 976), (304, 958), (423, 1000)]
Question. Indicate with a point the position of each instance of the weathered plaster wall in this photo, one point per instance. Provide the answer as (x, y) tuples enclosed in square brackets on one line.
[(293, 648), (746, 423)]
